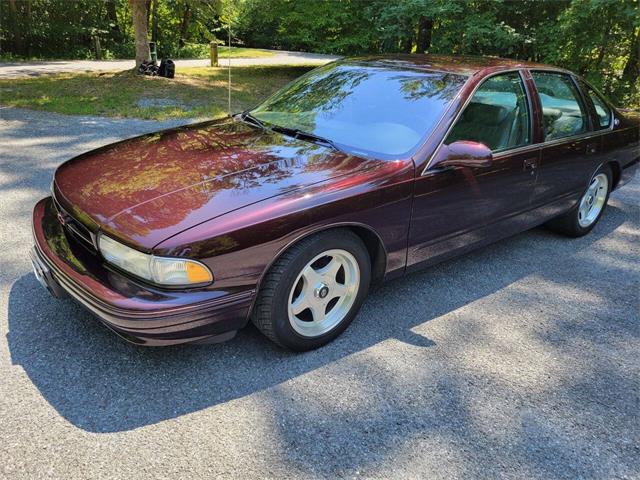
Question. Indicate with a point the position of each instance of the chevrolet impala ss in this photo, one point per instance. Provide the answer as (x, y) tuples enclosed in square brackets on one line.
[(359, 171)]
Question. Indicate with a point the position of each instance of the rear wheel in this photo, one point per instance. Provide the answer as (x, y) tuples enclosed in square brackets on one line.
[(584, 216), (314, 290)]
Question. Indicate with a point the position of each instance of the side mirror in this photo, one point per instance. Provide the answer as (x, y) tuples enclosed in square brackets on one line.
[(464, 154)]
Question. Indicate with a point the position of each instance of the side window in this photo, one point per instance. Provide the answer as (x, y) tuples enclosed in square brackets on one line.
[(602, 110), (563, 112), (497, 115)]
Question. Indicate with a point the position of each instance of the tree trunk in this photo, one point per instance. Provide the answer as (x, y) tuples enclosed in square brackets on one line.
[(425, 29), (139, 15), (18, 40), (406, 42), (184, 25), (631, 70), (112, 15), (27, 27), (148, 13), (601, 51), (154, 21)]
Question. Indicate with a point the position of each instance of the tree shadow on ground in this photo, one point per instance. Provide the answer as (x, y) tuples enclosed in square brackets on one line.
[(550, 393), (102, 384), (33, 145), (562, 403)]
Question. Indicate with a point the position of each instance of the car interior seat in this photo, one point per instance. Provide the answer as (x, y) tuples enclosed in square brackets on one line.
[(492, 125)]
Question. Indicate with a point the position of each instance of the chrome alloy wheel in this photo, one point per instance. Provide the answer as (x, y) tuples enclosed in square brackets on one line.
[(323, 293), (593, 200)]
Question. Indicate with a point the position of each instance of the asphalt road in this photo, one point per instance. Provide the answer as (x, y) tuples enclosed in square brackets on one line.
[(520, 360), (37, 68)]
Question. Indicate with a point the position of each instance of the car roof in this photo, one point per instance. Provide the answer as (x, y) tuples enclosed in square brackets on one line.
[(460, 64)]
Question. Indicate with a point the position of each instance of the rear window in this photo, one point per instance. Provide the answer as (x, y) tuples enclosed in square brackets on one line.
[(563, 112), (602, 110)]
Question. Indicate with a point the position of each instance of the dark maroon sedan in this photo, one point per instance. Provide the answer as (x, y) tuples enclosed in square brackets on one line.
[(359, 171)]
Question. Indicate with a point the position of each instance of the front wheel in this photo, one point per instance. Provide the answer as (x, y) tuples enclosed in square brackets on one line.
[(584, 216), (314, 290)]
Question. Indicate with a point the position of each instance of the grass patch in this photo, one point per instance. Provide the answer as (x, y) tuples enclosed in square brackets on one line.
[(195, 92), (191, 50), (198, 50)]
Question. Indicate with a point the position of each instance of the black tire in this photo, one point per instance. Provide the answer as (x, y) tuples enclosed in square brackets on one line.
[(270, 312), (569, 223)]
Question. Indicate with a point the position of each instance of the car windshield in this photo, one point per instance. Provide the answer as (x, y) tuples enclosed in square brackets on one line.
[(369, 109)]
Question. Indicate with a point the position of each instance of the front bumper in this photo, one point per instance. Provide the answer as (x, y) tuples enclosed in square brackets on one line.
[(138, 312)]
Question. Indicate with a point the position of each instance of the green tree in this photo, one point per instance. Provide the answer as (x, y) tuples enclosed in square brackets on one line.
[(598, 38)]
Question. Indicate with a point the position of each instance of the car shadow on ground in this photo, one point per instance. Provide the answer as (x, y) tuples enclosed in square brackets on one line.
[(100, 383)]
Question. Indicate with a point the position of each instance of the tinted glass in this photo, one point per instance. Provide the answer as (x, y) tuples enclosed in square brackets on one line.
[(602, 110), (372, 109), (564, 114), (497, 115)]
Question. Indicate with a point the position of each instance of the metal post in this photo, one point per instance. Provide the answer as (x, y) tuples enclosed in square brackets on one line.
[(229, 60), (154, 52), (213, 53), (96, 40)]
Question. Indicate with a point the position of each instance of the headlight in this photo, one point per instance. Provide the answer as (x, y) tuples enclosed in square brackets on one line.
[(159, 270)]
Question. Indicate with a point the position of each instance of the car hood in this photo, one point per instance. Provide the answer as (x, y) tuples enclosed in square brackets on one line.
[(149, 188)]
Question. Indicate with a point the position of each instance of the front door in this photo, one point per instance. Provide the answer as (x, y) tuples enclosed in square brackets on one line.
[(456, 208)]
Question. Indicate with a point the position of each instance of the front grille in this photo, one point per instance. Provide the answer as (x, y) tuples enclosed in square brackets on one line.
[(74, 227)]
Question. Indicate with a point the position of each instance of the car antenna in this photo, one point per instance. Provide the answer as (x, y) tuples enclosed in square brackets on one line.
[(229, 60)]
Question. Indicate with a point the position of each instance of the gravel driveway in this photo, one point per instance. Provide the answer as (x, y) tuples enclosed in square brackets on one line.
[(520, 360), (37, 68)]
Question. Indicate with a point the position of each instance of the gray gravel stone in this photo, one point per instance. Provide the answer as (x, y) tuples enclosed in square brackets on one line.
[(158, 102), (37, 68), (517, 361)]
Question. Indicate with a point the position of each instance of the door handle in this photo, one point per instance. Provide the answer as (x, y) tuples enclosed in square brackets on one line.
[(530, 165), (592, 148), (576, 147)]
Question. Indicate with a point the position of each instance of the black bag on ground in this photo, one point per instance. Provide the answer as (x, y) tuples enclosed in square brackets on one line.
[(148, 68), (167, 68)]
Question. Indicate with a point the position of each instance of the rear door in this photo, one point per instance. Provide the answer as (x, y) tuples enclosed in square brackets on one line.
[(458, 207), (570, 147)]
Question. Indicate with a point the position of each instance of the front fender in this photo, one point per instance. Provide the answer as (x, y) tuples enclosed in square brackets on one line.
[(240, 246)]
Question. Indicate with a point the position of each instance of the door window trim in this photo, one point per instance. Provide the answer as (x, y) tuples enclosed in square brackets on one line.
[(468, 100), (579, 136), (529, 106), (581, 101), (596, 118), (532, 146)]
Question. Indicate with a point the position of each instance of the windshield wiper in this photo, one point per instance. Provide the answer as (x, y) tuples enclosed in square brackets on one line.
[(247, 117), (292, 132), (297, 133)]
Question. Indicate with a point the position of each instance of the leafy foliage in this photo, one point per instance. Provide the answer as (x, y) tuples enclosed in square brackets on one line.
[(597, 38)]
